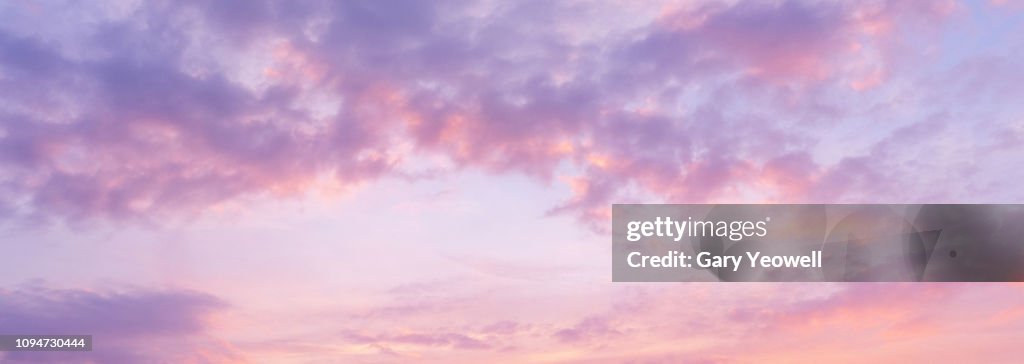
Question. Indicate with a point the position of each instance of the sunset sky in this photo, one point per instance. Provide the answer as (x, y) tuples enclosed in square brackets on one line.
[(431, 181)]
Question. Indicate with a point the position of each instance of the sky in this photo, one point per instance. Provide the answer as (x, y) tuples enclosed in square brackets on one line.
[(412, 181)]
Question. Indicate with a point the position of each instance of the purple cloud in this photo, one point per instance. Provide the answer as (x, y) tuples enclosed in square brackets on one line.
[(127, 326), (170, 107)]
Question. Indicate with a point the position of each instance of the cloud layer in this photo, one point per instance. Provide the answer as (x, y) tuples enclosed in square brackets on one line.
[(693, 322), (145, 111), (131, 326), (136, 110)]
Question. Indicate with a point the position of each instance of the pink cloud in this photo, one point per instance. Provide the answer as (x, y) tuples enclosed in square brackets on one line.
[(159, 133), (141, 118), (647, 323)]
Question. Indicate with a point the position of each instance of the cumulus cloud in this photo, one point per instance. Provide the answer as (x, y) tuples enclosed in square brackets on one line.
[(159, 108)]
